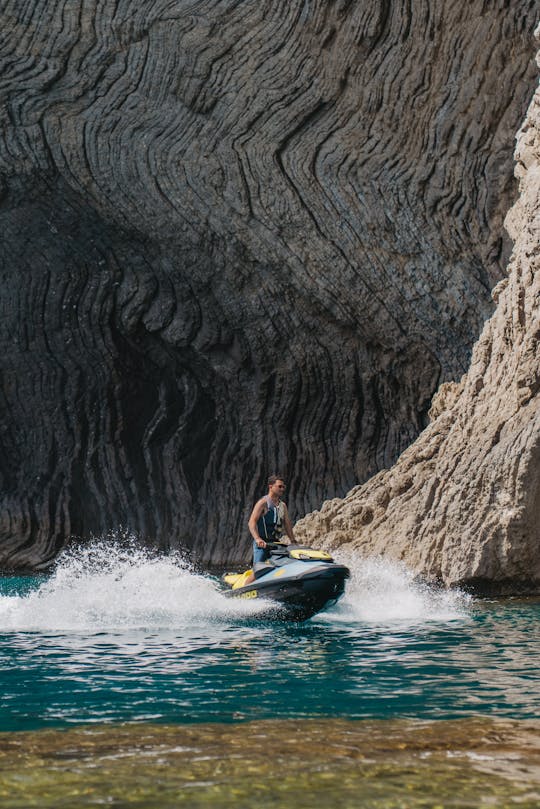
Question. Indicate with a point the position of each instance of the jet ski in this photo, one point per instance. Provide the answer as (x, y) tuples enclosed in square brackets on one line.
[(302, 580)]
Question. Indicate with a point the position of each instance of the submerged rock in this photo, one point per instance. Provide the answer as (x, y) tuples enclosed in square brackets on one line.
[(462, 504), (240, 238)]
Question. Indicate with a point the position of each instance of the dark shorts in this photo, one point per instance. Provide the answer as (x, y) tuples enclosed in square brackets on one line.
[(260, 554)]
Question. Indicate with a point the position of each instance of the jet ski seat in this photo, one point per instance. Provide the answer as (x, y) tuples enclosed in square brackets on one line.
[(238, 580), (260, 568)]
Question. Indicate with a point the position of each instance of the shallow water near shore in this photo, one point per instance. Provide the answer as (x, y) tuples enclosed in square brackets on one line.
[(132, 680), (338, 763)]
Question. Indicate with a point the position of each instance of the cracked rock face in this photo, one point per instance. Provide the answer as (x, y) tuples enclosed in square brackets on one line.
[(238, 237), (462, 504)]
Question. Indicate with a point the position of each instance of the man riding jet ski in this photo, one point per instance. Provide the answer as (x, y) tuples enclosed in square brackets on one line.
[(269, 521), (302, 580)]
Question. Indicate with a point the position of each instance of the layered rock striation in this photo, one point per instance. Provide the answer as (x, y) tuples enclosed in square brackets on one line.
[(462, 504), (238, 237)]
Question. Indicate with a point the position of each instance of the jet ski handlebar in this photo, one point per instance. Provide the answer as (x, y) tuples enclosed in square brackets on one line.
[(300, 552), (278, 547)]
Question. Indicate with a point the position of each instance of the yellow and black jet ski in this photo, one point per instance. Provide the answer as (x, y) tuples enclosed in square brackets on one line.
[(302, 580)]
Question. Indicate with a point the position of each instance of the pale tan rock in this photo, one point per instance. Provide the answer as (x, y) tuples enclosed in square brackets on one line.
[(462, 504)]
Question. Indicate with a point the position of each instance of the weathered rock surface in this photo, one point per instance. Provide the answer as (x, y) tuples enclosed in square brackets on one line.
[(238, 237), (462, 504)]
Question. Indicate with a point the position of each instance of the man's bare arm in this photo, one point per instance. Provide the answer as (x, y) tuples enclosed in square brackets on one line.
[(257, 512), (288, 524)]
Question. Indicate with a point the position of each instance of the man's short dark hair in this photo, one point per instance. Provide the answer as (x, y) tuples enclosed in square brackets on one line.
[(274, 479)]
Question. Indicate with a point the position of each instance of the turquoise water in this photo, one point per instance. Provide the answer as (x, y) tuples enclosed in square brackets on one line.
[(120, 637)]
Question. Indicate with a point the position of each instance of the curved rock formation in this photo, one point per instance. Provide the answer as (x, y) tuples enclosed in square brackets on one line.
[(238, 237), (462, 504)]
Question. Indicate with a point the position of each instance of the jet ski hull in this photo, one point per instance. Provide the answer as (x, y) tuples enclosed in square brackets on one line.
[(299, 595)]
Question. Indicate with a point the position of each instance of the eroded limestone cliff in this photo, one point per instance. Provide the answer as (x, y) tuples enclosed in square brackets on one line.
[(238, 237), (462, 504)]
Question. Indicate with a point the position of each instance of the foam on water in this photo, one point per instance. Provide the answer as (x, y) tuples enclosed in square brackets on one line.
[(102, 586), (105, 586), (381, 592)]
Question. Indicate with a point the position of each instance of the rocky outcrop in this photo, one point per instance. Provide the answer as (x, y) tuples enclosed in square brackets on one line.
[(238, 237), (462, 504)]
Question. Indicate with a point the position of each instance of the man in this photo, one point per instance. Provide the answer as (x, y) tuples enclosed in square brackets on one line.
[(269, 520)]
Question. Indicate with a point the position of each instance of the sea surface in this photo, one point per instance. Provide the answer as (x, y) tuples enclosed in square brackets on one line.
[(129, 680)]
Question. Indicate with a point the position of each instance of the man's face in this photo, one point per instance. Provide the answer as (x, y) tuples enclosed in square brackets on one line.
[(277, 489)]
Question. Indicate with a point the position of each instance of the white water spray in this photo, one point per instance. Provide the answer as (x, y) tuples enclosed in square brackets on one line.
[(382, 592), (104, 586)]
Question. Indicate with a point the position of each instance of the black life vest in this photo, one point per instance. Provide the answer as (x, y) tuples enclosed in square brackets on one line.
[(270, 524)]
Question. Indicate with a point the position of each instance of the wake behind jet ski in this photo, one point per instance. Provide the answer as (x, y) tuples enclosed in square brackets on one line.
[(302, 580)]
